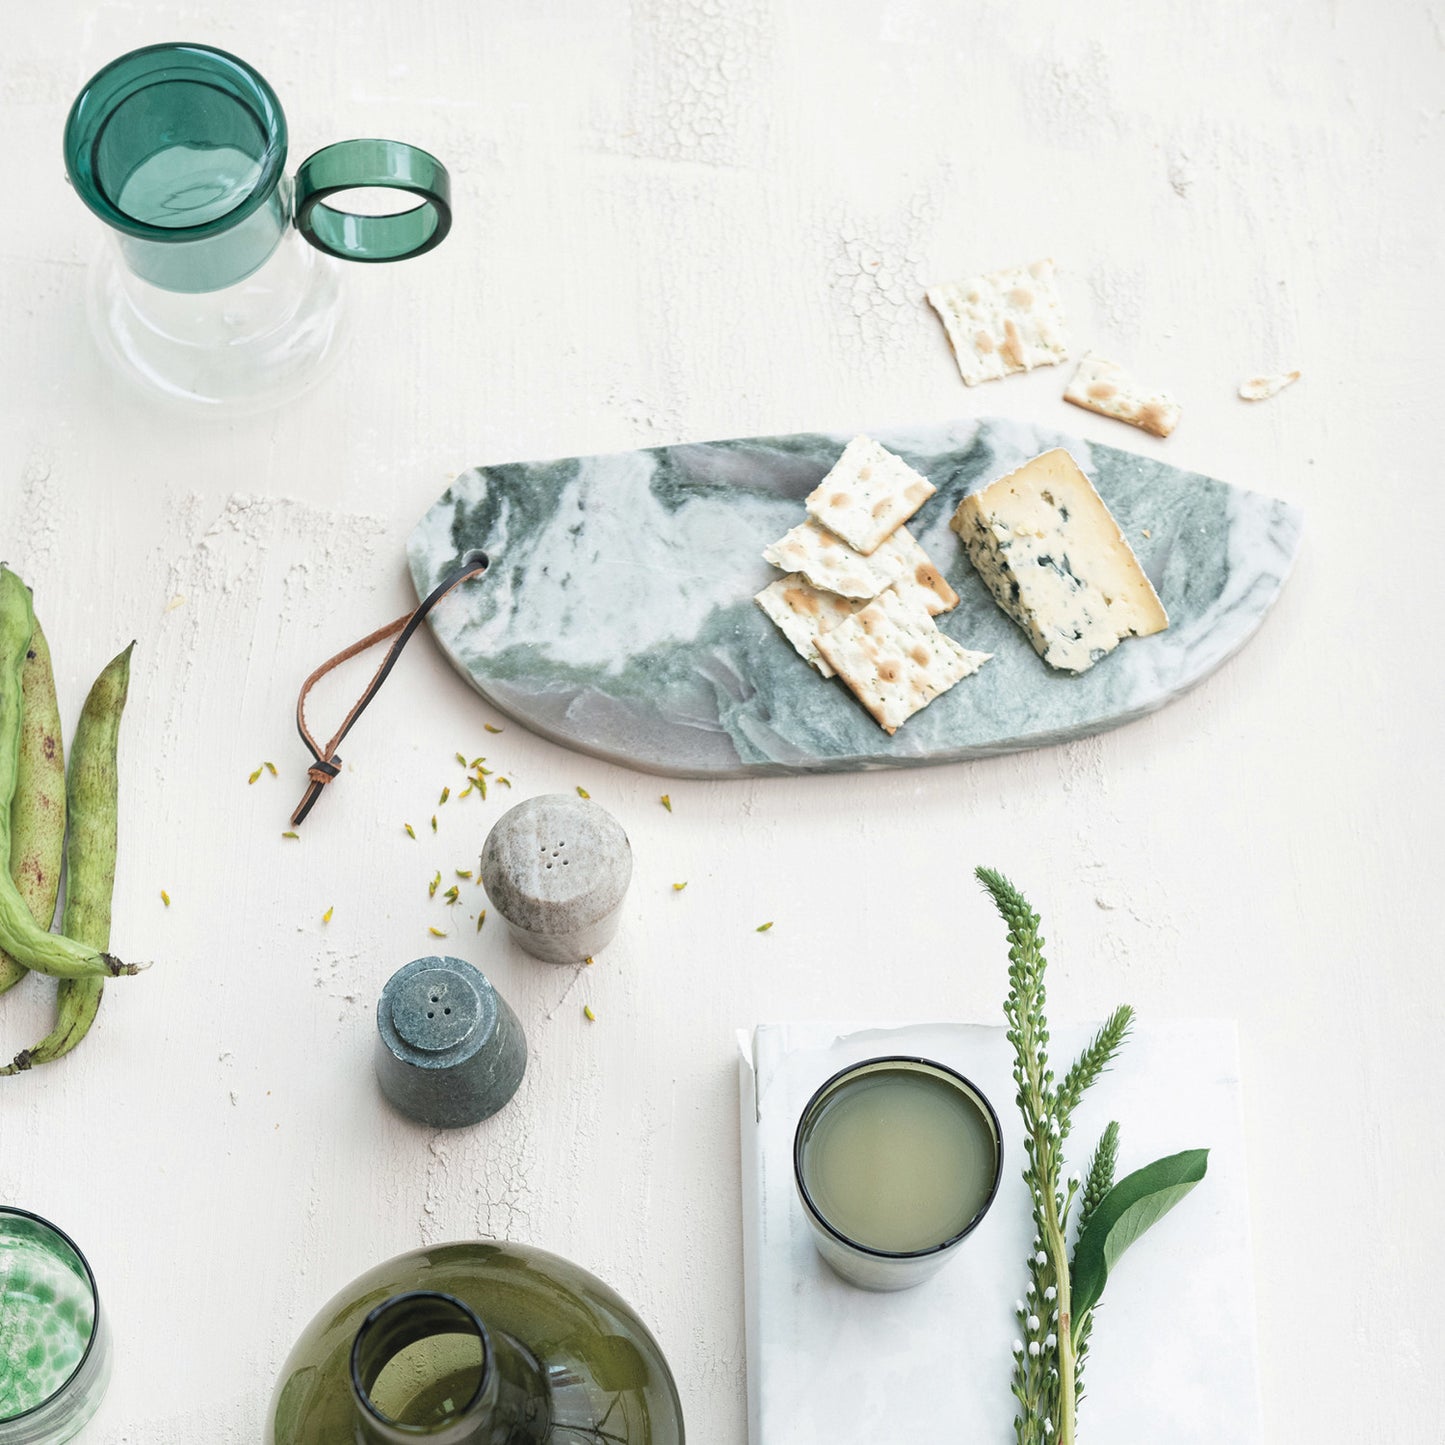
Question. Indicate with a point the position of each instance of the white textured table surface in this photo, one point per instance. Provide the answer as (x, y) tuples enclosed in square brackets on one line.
[(680, 220)]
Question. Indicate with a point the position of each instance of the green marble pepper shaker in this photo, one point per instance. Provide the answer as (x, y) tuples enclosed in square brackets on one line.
[(450, 1051), (557, 869)]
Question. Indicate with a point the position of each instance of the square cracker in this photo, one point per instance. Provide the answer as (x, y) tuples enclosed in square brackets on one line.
[(868, 495), (894, 659), (1105, 387), (802, 612), (827, 561), (1004, 322), (912, 575)]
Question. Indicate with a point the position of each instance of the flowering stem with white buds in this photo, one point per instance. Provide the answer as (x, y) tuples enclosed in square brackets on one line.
[(1044, 1364)]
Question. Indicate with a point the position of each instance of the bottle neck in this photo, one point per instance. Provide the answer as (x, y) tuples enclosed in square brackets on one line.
[(424, 1368)]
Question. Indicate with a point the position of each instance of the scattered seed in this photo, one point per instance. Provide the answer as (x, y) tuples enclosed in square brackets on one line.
[(490, 728), (326, 917), (678, 887), (505, 782), (271, 768), (433, 822), (165, 898), (587, 1009), (481, 919), (452, 894), (666, 802), (254, 776), (463, 872), (410, 831), (446, 793), (291, 835), (763, 927), (588, 960), (476, 763), (461, 760), (465, 791), (431, 888), (582, 792), (482, 788), (436, 932)]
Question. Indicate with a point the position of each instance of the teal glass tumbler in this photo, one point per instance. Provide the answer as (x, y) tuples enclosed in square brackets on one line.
[(54, 1336), (181, 151)]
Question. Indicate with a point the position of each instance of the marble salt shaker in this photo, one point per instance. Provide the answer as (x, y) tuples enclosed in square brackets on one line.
[(449, 1051), (557, 869)]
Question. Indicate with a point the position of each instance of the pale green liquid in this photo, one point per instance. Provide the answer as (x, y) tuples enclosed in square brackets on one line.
[(47, 1313), (899, 1160), (187, 185)]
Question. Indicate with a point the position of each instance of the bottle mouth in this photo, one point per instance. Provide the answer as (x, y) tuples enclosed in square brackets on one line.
[(175, 143), (420, 1366)]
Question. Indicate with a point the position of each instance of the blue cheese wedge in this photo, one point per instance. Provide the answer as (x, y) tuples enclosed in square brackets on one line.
[(868, 495), (894, 659), (1056, 562)]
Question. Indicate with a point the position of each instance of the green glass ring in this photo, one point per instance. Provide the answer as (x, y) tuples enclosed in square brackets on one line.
[(391, 164)]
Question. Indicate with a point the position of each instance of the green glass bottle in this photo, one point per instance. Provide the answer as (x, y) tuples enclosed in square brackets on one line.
[(484, 1343)]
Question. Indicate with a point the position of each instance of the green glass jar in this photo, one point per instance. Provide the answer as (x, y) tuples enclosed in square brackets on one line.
[(483, 1343)]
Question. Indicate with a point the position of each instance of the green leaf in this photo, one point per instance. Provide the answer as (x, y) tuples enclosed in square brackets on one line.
[(1125, 1212)]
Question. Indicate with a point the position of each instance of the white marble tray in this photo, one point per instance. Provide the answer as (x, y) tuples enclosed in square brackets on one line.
[(1173, 1350), (618, 616)]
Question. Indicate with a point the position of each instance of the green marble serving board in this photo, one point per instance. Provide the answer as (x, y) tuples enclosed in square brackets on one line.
[(617, 616)]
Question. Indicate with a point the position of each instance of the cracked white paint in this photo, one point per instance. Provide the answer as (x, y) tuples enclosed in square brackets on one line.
[(683, 219)]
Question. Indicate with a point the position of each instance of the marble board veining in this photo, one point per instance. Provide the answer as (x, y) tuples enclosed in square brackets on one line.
[(617, 617)]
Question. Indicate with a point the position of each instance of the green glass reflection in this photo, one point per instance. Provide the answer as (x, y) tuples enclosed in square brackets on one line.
[(566, 1357)]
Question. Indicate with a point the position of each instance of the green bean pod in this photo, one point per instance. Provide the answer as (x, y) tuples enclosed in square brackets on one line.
[(37, 812), (20, 936), (93, 790)]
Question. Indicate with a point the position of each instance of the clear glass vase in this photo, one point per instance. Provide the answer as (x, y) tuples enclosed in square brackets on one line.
[(206, 293), (54, 1336), (483, 1343)]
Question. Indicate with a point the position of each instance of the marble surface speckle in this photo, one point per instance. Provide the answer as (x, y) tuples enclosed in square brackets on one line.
[(618, 618)]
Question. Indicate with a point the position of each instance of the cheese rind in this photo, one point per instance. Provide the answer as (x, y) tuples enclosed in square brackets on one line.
[(1054, 559), (868, 495), (894, 659), (1003, 322), (802, 611)]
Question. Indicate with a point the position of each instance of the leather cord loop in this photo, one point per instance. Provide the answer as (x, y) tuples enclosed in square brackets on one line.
[(327, 763)]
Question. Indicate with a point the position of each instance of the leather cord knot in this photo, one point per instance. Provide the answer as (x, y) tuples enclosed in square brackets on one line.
[(327, 764)]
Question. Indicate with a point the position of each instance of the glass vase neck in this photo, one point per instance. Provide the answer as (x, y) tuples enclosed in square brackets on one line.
[(424, 1368)]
